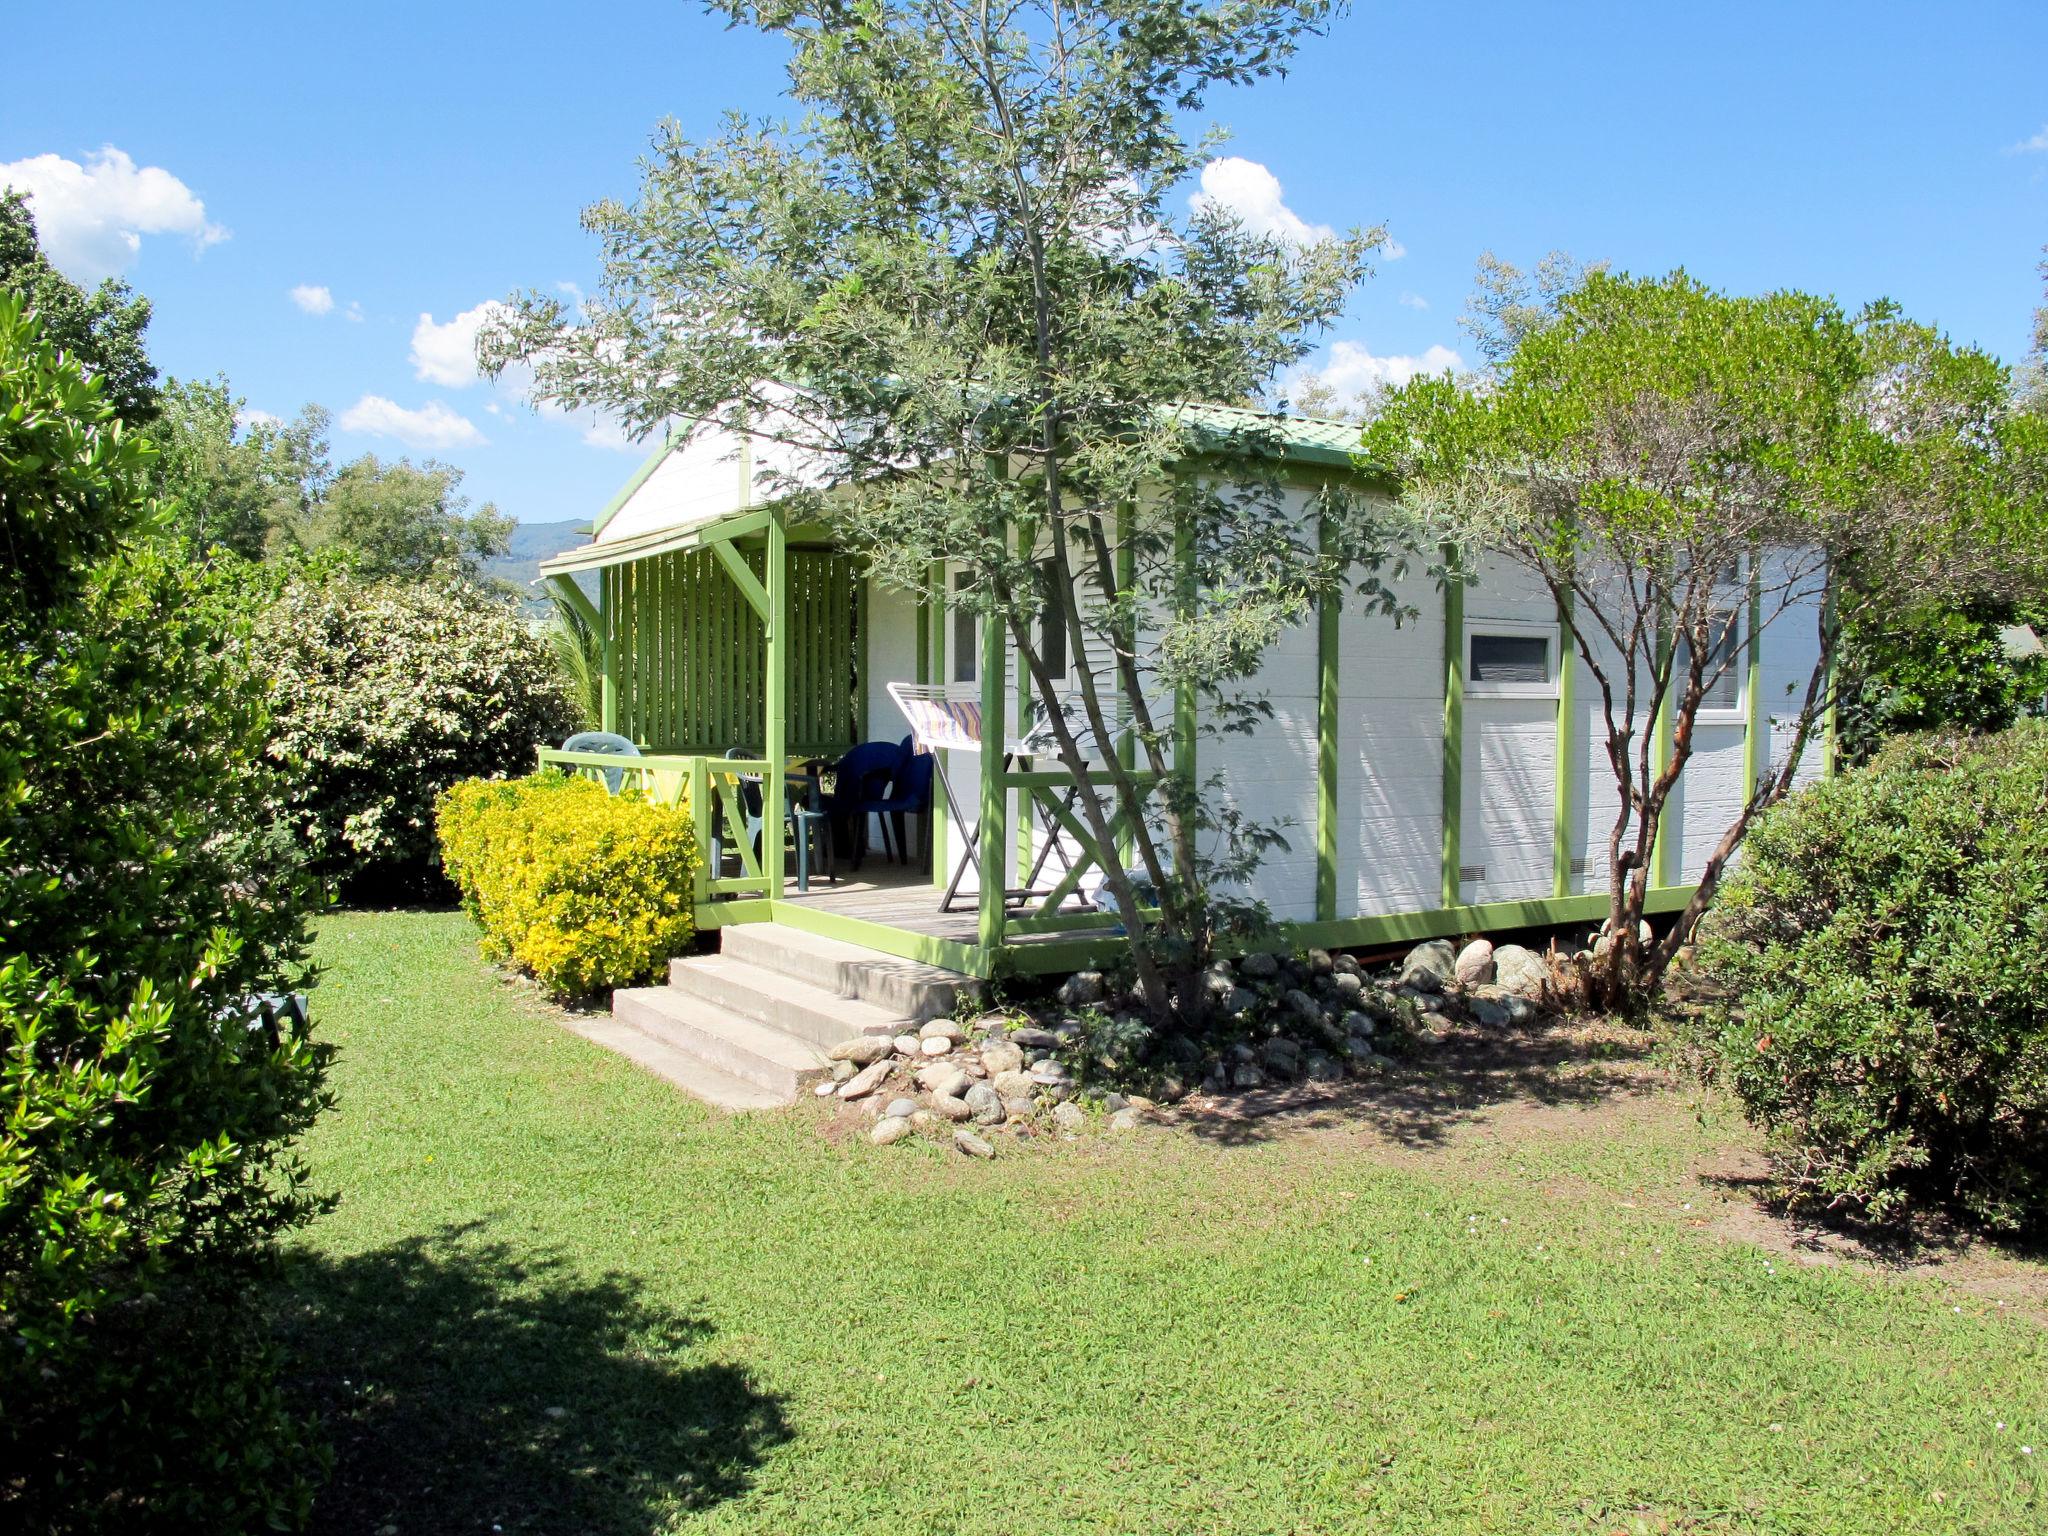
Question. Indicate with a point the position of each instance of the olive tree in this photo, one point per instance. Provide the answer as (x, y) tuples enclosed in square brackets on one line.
[(1686, 470), (960, 297)]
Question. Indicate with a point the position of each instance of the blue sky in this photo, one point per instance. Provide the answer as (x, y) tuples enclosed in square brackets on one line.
[(417, 160)]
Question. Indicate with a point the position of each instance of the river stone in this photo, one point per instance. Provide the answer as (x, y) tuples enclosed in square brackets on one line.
[(1083, 988), (1304, 1007), (1346, 965), (972, 1144), (985, 1104), (842, 1070), (1247, 1077), (1048, 1073), (825, 1088), (1492, 1012), (943, 1029), (1428, 966), (950, 1107), (1000, 1056), (862, 1050), (936, 1045), (889, 1129), (1474, 966), (901, 1108), (1260, 967), (1359, 1023), (1348, 985), (1032, 1038), (908, 1045), (1014, 1085), (1520, 971), (865, 1081), (1239, 1001), (1070, 1118), (943, 1077)]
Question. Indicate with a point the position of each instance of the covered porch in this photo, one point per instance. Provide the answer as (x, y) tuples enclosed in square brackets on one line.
[(740, 655)]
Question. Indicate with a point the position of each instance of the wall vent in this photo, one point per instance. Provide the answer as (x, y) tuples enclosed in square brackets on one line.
[(1581, 865), (1472, 872)]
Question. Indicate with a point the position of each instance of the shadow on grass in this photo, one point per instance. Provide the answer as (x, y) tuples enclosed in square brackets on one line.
[(1452, 1076), (466, 1387)]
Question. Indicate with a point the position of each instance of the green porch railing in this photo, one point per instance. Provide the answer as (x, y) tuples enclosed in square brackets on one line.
[(709, 788), (1047, 791)]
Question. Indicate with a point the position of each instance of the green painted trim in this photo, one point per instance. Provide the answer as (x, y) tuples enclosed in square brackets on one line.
[(743, 577), (1565, 771), (935, 653), (1126, 578), (1831, 750), (1185, 722), (775, 733), (608, 606), (1753, 730), (994, 831), (951, 953), (1329, 632), (731, 914), (1661, 747), (1027, 541), (625, 492), (1491, 916), (1454, 738), (565, 588)]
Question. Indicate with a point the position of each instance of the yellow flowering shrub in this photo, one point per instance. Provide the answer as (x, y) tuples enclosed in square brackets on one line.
[(581, 889)]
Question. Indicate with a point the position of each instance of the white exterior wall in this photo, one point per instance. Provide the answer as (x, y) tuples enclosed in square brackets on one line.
[(1390, 733), (1509, 778)]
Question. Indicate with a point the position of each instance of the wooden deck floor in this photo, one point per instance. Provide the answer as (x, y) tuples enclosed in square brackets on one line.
[(903, 897)]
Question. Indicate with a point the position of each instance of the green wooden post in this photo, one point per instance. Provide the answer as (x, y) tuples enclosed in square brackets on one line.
[(1831, 752), (1126, 578), (1184, 582), (700, 817), (1567, 747), (774, 788), (995, 656), (934, 650), (1660, 759), (1329, 622), (1753, 739), (608, 663), (1454, 737), (1027, 540)]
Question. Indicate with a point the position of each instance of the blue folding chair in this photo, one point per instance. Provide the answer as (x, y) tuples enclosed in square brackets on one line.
[(909, 794), (607, 742), (859, 780)]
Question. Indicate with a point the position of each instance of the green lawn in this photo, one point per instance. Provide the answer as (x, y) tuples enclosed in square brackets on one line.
[(560, 1297)]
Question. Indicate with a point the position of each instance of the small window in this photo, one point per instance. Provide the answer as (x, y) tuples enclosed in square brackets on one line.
[(966, 641), (1723, 669), (1522, 659)]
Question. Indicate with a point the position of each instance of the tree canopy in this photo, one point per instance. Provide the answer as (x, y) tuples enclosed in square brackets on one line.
[(102, 329), (954, 301), (1683, 468)]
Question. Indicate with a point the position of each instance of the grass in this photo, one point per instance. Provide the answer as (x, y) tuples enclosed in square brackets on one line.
[(558, 1296)]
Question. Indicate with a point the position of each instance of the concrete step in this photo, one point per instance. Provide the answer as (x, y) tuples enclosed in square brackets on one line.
[(769, 997), (757, 1053), (692, 1074), (908, 989)]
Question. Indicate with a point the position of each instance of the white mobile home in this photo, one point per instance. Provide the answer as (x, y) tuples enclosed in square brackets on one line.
[(1436, 776)]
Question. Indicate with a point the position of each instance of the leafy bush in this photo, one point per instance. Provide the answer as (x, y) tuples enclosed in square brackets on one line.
[(384, 693), (582, 889), (145, 1147), (1879, 957)]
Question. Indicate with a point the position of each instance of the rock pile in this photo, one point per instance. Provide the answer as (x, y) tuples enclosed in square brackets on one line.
[(1276, 1019)]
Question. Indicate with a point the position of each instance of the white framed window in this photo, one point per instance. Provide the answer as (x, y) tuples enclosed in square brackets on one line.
[(1722, 702), (966, 634), (1509, 658)]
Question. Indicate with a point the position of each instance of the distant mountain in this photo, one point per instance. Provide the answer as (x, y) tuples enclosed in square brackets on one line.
[(531, 544)]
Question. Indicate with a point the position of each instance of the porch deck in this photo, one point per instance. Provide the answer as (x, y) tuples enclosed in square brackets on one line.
[(903, 897)]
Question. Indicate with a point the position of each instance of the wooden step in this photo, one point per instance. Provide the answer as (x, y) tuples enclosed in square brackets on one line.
[(906, 989), (757, 1053)]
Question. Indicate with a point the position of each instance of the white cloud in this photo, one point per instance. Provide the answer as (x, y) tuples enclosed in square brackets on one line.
[(1414, 300), (1391, 249), (445, 354), (1353, 370), (1251, 194), (2037, 145), (433, 425), (248, 418), (313, 298), (92, 217)]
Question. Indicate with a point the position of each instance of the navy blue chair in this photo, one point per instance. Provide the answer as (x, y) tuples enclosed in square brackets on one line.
[(859, 780), (805, 814), (909, 794), (604, 741)]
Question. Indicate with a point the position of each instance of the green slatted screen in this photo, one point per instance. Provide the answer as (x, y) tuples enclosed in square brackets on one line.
[(692, 655)]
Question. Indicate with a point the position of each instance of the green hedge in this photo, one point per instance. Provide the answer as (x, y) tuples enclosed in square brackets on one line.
[(581, 889), (1881, 959)]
